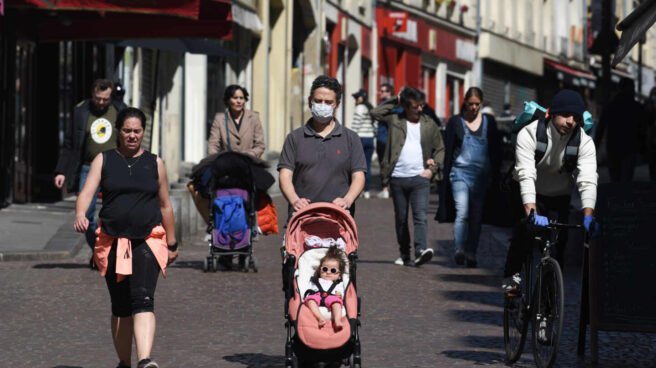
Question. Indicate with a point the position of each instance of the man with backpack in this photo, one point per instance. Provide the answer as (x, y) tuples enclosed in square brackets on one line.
[(552, 155)]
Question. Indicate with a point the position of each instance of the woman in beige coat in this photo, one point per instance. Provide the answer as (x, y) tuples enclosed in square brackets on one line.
[(244, 127), (244, 135)]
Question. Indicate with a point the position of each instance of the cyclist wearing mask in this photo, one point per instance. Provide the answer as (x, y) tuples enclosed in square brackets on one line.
[(545, 186), (322, 161)]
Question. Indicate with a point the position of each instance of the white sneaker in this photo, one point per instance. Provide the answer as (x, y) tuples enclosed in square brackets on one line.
[(512, 284), (543, 338), (401, 262), (366, 195), (424, 257), (384, 194)]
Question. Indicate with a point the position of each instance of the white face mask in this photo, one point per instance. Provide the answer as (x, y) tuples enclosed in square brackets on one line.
[(322, 113)]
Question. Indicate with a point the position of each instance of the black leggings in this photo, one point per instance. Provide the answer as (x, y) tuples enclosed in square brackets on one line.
[(136, 293), (556, 208)]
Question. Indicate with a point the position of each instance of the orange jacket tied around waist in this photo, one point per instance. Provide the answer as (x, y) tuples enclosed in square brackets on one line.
[(156, 242)]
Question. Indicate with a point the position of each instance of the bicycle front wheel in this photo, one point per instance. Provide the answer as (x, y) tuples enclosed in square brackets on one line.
[(549, 305), (516, 314)]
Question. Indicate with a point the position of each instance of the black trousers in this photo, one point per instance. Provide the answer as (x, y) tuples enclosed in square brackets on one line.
[(380, 152), (555, 208), (136, 293)]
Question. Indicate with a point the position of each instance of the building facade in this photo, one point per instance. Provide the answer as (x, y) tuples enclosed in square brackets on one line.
[(433, 51), (520, 50)]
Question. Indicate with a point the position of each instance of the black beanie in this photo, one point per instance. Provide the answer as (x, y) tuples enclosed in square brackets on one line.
[(567, 101)]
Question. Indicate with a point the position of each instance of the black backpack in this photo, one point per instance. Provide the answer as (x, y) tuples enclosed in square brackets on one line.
[(571, 151)]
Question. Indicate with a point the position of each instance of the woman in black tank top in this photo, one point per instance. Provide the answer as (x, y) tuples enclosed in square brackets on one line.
[(136, 228)]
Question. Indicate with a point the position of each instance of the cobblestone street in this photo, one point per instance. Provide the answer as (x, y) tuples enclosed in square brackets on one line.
[(56, 313)]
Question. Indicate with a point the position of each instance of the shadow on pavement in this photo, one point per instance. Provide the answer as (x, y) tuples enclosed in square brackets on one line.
[(488, 342), (478, 316), (372, 261), (476, 357), (486, 280), (494, 298), (258, 360), (198, 265), (69, 266)]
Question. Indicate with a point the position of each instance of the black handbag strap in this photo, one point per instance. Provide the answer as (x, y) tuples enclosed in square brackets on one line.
[(227, 130)]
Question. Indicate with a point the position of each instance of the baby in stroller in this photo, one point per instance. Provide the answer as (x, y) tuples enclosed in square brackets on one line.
[(320, 254), (327, 288)]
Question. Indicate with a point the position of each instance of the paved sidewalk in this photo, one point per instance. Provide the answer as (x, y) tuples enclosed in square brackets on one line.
[(39, 231), (56, 313)]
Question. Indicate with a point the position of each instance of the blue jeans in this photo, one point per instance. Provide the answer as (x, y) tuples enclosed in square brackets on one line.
[(469, 213), (368, 146), (413, 191), (91, 212)]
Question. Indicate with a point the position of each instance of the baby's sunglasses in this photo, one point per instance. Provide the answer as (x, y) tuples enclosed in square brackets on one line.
[(332, 270)]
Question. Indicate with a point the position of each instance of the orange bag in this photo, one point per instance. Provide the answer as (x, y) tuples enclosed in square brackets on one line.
[(267, 217)]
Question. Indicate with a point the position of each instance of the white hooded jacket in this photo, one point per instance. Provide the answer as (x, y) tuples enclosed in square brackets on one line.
[(545, 178)]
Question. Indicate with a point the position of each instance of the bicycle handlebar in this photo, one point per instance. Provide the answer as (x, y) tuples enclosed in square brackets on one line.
[(557, 225), (553, 224)]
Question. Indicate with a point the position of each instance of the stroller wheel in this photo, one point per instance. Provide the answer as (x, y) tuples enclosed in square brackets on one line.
[(252, 264), (206, 264), (215, 264), (243, 261), (293, 364), (352, 363)]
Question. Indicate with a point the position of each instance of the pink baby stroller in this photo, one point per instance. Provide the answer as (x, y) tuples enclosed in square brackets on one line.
[(310, 345)]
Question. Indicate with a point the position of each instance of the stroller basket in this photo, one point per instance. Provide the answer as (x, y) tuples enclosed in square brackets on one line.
[(223, 238)]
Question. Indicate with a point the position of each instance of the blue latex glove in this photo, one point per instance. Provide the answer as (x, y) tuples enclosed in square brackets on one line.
[(540, 220), (586, 223)]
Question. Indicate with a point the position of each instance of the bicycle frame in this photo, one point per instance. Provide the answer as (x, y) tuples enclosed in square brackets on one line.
[(537, 297), (553, 229)]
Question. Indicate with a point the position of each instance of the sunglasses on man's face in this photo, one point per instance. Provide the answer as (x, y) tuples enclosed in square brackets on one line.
[(332, 270)]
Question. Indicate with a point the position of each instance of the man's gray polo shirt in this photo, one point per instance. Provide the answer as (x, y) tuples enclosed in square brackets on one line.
[(322, 166)]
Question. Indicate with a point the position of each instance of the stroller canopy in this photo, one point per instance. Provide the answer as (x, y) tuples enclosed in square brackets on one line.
[(232, 170), (324, 220)]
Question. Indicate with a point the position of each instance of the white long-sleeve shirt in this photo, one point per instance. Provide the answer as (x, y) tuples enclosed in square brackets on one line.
[(362, 123), (545, 178)]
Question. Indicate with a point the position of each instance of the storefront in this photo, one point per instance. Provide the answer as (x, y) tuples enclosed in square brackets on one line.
[(558, 76), (347, 46), (432, 57), (52, 52)]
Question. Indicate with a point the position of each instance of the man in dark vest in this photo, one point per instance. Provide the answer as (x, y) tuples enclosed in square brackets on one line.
[(92, 132)]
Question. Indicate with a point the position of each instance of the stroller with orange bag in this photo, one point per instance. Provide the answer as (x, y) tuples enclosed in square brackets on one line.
[(307, 343)]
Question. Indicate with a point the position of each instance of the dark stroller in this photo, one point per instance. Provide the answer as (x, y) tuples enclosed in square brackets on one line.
[(232, 174)]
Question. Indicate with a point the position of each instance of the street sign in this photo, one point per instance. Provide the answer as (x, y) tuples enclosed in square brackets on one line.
[(633, 28), (396, 22), (614, 296)]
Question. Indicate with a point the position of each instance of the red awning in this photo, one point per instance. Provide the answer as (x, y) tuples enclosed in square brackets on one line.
[(570, 70), (124, 19), (180, 8), (569, 75)]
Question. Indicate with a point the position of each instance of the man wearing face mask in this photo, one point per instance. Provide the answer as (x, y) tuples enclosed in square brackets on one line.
[(414, 156), (91, 132), (322, 161)]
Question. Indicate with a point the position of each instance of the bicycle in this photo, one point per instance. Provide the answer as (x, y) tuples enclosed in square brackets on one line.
[(542, 304)]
